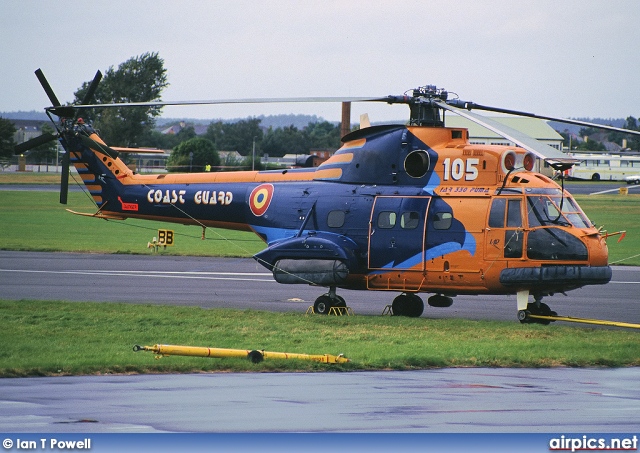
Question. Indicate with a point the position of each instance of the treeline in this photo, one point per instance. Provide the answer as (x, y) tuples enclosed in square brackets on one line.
[(192, 152), (243, 135), (592, 139)]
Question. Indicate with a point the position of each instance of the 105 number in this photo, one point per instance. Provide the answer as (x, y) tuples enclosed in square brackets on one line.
[(459, 168)]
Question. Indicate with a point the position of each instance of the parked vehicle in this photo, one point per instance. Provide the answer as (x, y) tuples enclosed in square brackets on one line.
[(633, 179), (603, 166)]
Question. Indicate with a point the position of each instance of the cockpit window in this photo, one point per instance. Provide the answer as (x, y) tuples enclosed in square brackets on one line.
[(513, 214), (496, 215), (514, 217), (545, 210), (575, 214)]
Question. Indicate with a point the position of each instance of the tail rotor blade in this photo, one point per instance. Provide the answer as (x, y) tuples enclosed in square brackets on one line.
[(64, 180), (34, 143), (47, 88), (104, 149), (92, 88)]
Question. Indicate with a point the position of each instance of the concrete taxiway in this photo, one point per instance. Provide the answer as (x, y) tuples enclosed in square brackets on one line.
[(444, 401)]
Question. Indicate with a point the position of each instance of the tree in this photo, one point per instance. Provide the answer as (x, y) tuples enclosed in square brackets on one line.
[(631, 123), (193, 155), (591, 145), (633, 141), (7, 145), (156, 139), (588, 131), (287, 140), (238, 136), (139, 79), (291, 140), (323, 135)]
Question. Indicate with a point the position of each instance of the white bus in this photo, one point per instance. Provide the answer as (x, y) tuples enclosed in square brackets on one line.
[(603, 166)]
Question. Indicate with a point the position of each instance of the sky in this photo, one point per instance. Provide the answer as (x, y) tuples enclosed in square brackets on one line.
[(564, 58)]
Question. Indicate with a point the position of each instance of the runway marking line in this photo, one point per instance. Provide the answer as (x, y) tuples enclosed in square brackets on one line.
[(159, 274)]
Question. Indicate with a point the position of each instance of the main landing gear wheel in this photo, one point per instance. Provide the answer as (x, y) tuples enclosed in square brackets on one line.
[(324, 303), (410, 305)]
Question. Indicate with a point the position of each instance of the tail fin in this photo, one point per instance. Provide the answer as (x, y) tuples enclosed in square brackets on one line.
[(99, 166)]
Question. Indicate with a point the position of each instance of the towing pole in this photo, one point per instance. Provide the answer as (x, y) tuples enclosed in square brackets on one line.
[(255, 356), (599, 322)]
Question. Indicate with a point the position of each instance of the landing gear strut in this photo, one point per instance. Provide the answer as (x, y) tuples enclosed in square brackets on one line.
[(324, 303), (537, 307)]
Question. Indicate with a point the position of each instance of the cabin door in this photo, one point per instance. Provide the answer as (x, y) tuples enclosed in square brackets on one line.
[(397, 232), (505, 235)]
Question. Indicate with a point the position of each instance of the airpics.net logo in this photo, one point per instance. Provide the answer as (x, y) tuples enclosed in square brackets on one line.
[(586, 443)]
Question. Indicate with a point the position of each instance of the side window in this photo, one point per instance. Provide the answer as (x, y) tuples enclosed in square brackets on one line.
[(513, 244), (496, 215), (386, 219), (442, 220), (409, 220), (514, 215), (335, 219)]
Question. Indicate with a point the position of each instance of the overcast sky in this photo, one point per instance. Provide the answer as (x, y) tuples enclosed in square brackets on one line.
[(562, 57)]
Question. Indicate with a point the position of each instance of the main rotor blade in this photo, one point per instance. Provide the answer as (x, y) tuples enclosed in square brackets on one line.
[(34, 142), (232, 101), (473, 105), (47, 88), (541, 150)]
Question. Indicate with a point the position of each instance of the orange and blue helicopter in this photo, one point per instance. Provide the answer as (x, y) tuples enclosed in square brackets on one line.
[(408, 209)]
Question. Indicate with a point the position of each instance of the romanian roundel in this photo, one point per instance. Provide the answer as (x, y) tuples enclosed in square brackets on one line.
[(260, 198)]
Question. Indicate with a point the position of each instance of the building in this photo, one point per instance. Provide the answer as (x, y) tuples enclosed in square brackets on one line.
[(26, 129), (533, 127)]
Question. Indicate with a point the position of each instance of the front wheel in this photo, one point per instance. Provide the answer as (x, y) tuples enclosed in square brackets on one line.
[(523, 316)]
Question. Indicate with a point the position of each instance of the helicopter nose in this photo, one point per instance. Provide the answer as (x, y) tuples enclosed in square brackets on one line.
[(598, 251)]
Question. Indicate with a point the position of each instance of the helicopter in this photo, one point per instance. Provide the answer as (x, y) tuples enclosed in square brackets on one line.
[(408, 209)]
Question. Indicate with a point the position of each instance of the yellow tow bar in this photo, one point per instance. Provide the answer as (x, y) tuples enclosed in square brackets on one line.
[(254, 355), (600, 322)]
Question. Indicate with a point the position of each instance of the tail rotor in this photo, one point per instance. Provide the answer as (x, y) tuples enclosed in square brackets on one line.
[(62, 112)]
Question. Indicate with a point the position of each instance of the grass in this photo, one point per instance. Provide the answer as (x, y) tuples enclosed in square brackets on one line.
[(616, 213), (35, 221), (14, 177), (63, 338)]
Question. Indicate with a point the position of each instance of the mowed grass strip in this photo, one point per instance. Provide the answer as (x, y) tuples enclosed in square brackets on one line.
[(32, 177), (616, 213), (79, 338), (36, 221)]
